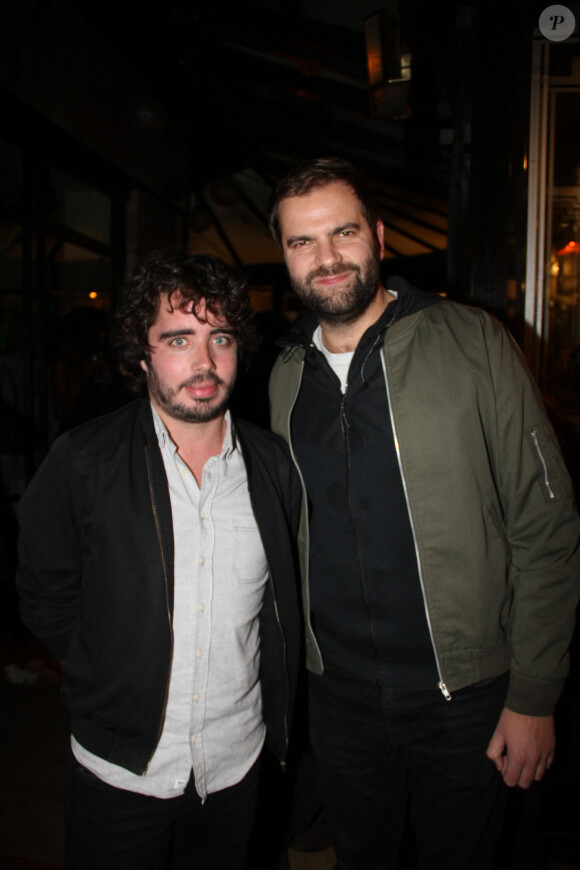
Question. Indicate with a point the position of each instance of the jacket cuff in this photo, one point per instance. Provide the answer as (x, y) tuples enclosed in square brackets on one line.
[(532, 697)]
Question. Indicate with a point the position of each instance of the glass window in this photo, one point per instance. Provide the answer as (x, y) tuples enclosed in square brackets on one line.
[(552, 288), (82, 373), (77, 277), (76, 205), (564, 275)]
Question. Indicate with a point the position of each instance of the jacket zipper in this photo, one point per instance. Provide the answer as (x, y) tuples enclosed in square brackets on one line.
[(536, 440), (166, 579), (285, 657), (305, 503), (441, 684), (284, 649)]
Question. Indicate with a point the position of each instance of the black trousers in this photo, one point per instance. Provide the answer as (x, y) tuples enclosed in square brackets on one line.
[(112, 829), (382, 750)]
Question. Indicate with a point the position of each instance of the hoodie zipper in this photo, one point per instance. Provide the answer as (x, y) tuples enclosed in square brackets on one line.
[(441, 684), (166, 579), (345, 426)]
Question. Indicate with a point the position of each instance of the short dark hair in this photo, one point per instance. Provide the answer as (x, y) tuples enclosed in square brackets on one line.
[(192, 276), (318, 173)]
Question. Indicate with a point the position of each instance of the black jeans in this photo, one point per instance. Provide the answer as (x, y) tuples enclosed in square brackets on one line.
[(112, 829), (379, 747)]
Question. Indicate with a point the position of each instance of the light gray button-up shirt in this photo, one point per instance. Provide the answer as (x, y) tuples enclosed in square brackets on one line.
[(213, 720)]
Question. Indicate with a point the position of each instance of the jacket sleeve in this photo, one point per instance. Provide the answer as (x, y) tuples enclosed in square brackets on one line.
[(542, 531), (49, 551)]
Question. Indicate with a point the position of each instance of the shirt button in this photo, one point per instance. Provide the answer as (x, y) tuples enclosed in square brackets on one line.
[(196, 697), (201, 560), (200, 653), (194, 738), (202, 514), (201, 608)]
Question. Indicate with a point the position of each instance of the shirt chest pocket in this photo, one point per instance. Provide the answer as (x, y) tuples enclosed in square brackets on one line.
[(248, 558)]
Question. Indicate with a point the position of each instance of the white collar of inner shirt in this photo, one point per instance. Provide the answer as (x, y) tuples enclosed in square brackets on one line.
[(165, 439)]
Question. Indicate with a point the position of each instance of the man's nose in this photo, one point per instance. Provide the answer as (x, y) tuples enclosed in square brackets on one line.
[(202, 360), (328, 254)]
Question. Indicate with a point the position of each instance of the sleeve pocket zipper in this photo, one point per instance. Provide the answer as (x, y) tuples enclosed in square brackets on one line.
[(536, 441)]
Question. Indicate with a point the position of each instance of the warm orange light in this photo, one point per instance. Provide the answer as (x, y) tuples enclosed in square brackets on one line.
[(93, 294), (374, 49), (571, 248), (374, 65)]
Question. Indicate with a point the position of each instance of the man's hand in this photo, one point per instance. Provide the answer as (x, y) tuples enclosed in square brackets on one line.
[(522, 747)]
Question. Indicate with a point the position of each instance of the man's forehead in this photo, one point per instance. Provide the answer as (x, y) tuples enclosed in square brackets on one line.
[(197, 307), (332, 198)]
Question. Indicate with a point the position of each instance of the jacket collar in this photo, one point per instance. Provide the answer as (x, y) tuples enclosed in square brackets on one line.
[(409, 300)]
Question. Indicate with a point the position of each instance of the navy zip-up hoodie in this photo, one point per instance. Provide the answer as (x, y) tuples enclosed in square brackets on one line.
[(366, 603)]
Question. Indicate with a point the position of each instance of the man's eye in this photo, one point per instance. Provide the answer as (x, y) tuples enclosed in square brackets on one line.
[(346, 233), (178, 342), (222, 340)]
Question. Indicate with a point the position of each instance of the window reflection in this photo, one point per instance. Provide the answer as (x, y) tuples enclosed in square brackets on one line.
[(563, 357)]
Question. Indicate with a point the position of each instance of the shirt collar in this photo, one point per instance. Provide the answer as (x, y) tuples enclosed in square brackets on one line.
[(166, 441)]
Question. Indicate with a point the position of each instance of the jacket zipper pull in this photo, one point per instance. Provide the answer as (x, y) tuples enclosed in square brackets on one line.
[(444, 691), (343, 421)]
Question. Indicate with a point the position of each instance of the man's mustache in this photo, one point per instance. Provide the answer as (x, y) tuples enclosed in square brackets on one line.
[(208, 378), (339, 269)]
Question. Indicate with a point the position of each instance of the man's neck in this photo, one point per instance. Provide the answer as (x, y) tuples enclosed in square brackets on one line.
[(196, 442), (344, 337)]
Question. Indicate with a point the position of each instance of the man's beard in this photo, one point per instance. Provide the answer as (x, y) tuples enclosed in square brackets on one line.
[(202, 412), (340, 305)]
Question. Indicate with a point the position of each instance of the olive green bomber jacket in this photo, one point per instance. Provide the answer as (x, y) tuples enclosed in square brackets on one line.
[(490, 501)]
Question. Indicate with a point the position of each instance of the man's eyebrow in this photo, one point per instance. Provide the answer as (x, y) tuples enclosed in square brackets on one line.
[(351, 225), (175, 333), (227, 329)]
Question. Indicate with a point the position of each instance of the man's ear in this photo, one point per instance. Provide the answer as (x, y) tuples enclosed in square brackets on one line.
[(381, 238), (143, 365)]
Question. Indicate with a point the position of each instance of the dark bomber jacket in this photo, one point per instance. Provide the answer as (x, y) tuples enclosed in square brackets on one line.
[(490, 502), (96, 578)]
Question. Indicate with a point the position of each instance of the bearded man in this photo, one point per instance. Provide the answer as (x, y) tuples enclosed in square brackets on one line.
[(438, 541), (157, 562)]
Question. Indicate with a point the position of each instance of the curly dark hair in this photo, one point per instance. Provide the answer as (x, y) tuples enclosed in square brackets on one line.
[(194, 277), (316, 174)]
